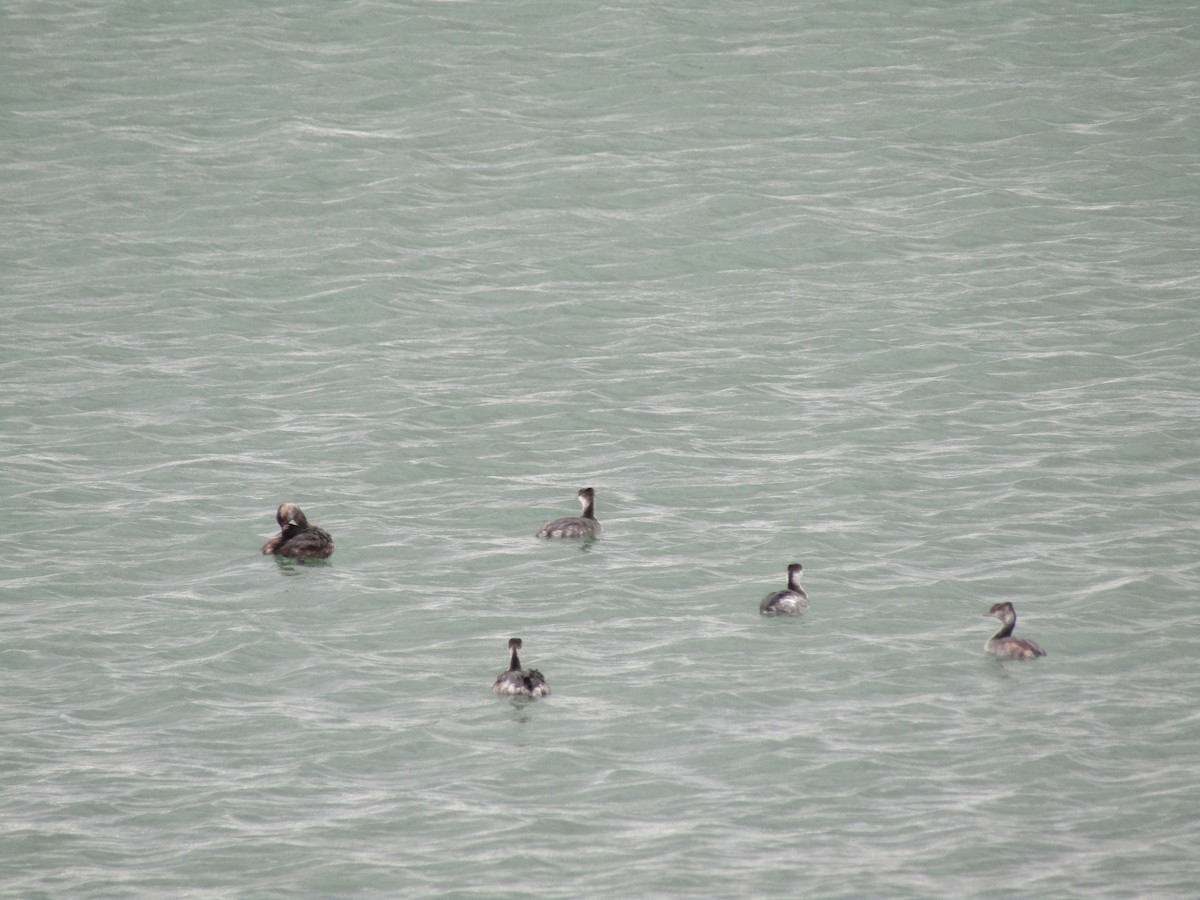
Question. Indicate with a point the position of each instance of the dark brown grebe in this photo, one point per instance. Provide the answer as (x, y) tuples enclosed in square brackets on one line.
[(296, 537), (1002, 643), (520, 682), (575, 526), (789, 602)]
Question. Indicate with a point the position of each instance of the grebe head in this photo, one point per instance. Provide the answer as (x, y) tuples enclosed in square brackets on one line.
[(290, 512), (1002, 611), (514, 643), (586, 496)]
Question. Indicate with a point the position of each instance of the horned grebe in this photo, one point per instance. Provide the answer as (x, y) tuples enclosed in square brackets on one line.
[(789, 602), (520, 682), (574, 526), (296, 537), (1002, 643)]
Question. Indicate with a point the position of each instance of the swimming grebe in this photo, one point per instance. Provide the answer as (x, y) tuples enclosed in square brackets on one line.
[(520, 682), (574, 526), (296, 537), (789, 602), (1002, 643)]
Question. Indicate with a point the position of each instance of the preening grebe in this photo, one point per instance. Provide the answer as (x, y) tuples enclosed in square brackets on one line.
[(1002, 643), (789, 602), (296, 537), (520, 682), (574, 526)]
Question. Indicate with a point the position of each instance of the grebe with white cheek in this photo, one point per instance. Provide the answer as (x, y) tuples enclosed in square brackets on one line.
[(297, 539), (520, 682), (786, 603), (575, 526), (1002, 644)]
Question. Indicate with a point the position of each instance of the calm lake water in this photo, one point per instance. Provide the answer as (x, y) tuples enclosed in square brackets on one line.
[(907, 292)]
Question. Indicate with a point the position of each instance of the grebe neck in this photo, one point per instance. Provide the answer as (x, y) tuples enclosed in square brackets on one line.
[(1006, 630)]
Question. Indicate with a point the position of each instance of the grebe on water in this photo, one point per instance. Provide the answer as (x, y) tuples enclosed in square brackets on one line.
[(1002, 643), (574, 526), (296, 537), (520, 682), (789, 602)]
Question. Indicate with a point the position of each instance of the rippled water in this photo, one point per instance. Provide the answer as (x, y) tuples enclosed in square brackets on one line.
[(907, 294)]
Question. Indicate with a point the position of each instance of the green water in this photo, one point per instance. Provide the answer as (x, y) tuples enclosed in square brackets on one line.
[(905, 293)]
